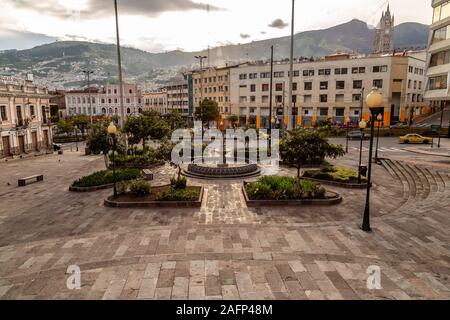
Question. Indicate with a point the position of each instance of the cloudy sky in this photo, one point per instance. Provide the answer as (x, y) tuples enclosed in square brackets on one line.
[(162, 25)]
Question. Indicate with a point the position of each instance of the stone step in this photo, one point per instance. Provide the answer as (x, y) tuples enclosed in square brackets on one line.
[(390, 167), (421, 181)]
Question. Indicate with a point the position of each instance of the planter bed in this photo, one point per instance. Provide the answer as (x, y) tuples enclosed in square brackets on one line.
[(90, 189), (332, 198), (131, 166), (349, 185), (131, 201)]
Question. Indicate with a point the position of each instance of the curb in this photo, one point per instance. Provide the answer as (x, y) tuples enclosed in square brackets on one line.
[(109, 202), (434, 154), (336, 199)]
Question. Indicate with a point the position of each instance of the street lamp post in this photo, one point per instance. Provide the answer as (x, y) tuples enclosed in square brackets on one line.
[(379, 119), (346, 135), (362, 127), (119, 66), (374, 102), (201, 58), (76, 137), (112, 131)]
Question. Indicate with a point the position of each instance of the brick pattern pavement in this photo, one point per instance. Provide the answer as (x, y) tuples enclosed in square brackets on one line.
[(223, 250)]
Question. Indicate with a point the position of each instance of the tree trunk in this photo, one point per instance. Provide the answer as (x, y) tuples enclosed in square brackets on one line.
[(298, 172)]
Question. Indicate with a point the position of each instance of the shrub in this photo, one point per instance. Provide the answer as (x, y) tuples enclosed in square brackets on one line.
[(284, 188), (123, 187), (105, 177), (140, 188), (339, 174), (178, 183), (178, 195)]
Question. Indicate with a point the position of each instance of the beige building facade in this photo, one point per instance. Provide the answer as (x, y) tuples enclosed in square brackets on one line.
[(213, 84), (331, 89), (156, 101), (25, 122)]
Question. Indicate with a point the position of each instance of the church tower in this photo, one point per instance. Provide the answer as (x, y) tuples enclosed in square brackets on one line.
[(384, 34)]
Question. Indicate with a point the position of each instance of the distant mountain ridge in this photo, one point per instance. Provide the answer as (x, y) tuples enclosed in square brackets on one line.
[(60, 63)]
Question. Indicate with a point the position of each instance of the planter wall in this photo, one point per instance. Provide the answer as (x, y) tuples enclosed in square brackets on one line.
[(90, 189), (110, 202), (335, 199), (339, 184)]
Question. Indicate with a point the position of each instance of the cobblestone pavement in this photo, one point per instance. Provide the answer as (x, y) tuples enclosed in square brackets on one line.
[(223, 250)]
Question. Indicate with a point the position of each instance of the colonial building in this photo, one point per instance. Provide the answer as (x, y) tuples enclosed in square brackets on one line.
[(104, 101), (437, 91), (213, 84), (331, 89), (156, 101), (384, 34), (25, 123)]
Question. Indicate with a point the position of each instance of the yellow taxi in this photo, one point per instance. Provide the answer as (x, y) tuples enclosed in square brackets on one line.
[(415, 138)]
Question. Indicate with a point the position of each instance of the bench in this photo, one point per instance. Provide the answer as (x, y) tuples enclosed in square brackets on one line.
[(33, 179), (148, 175)]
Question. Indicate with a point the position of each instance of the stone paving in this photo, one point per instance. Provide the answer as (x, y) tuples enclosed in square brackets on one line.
[(223, 250)]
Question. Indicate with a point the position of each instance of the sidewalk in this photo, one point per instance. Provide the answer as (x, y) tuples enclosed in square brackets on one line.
[(443, 151)]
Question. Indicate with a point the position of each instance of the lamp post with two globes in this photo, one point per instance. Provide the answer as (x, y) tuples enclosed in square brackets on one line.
[(112, 131), (374, 102)]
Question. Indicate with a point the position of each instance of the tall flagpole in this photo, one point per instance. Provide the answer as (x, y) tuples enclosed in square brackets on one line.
[(291, 71), (119, 63)]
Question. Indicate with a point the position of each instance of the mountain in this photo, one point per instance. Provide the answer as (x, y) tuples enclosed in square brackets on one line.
[(12, 39), (59, 64)]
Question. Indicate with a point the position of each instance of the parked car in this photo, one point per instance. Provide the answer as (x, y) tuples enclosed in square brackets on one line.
[(415, 138), (357, 135)]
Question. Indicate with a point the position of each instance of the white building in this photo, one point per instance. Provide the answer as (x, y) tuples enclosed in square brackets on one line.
[(178, 97), (25, 123), (105, 101), (329, 89), (438, 91)]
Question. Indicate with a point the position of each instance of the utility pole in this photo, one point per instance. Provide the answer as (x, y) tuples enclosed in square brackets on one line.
[(291, 71), (201, 58), (119, 65), (88, 74), (270, 99)]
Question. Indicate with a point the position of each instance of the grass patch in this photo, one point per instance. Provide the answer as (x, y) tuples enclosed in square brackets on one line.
[(335, 174)]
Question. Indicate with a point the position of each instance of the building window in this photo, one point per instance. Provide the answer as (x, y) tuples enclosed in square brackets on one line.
[(265, 87), (279, 99), (377, 69), (265, 99), (324, 85), (265, 75), (32, 113), (3, 114), (308, 86), (378, 83), (279, 87), (308, 73), (253, 76), (242, 99), (307, 98), (340, 85), (339, 98), (323, 98), (357, 84), (356, 98), (341, 71), (438, 83), (440, 58), (324, 72), (357, 70), (279, 74), (253, 88), (243, 76), (252, 99)]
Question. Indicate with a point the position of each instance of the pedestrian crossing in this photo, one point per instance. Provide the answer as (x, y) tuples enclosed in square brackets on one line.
[(381, 149)]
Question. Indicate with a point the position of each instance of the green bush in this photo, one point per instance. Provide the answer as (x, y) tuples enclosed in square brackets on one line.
[(140, 188), (138, 157), (104, 177), (339, 174), (284, 188), (178, 183), (178, 195)]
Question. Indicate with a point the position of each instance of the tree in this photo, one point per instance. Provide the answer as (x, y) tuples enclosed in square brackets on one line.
[(175, 120), (208, 111), (144, 127), (307, 147), (81, 121), (233, 119), (64, 126), (97, 140)]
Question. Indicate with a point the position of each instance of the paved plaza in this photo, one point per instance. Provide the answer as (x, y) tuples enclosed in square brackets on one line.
[(225, 250)]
